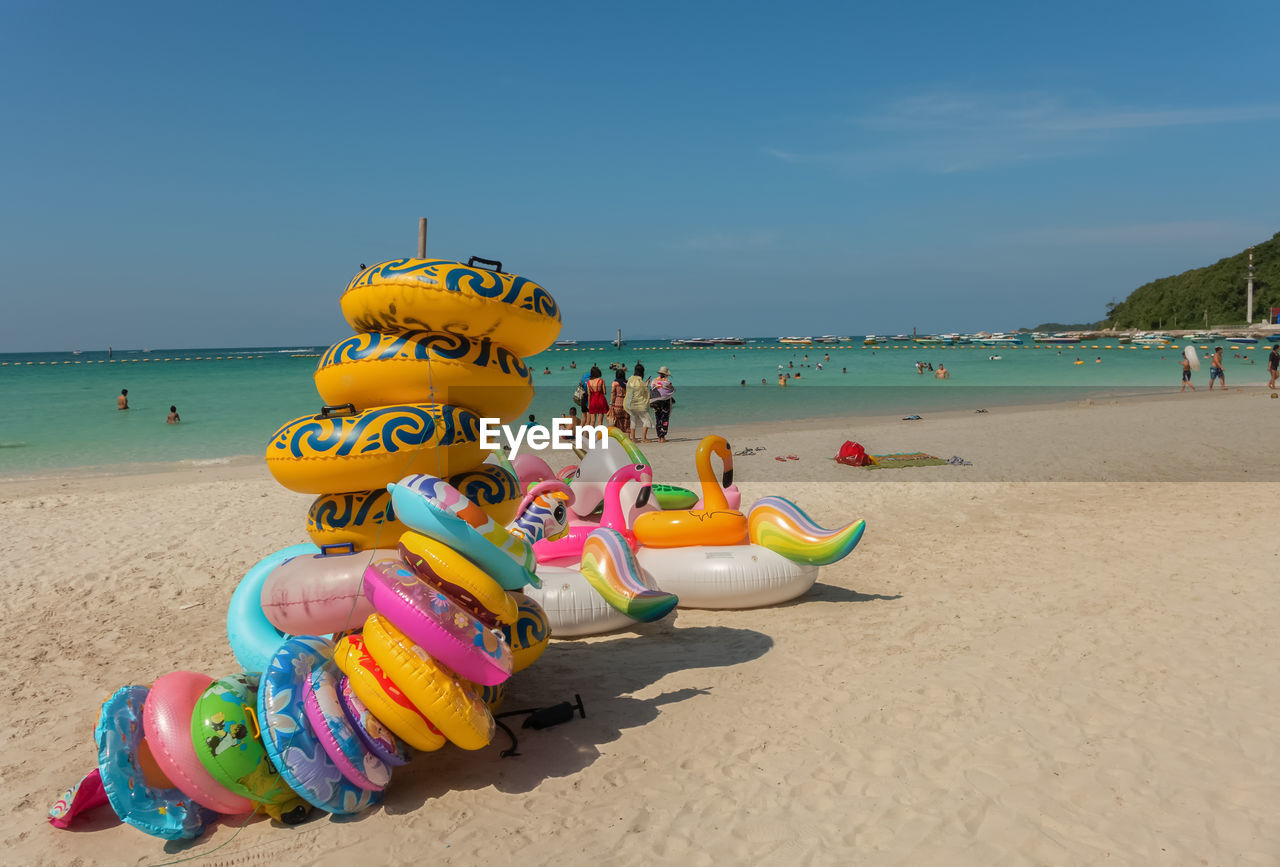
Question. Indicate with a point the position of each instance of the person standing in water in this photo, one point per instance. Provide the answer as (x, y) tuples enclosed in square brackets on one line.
[(173, 418), (122, 402)]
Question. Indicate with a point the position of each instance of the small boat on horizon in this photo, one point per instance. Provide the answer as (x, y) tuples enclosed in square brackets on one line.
[(1242, 340), (801, 340), (566, 343)]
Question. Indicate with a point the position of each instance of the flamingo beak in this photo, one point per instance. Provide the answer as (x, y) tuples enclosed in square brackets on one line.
[(727, 456), (644, 496)]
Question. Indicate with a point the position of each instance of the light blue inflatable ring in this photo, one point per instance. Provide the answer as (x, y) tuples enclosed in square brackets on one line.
[(165, 813), (292, 745), (414, 511), (252, 637)]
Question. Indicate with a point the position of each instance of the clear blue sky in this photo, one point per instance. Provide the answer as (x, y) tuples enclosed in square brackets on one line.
[(177, 174)]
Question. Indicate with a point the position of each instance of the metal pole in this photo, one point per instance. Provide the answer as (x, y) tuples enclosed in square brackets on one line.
[(422, 237), (1249, 308)]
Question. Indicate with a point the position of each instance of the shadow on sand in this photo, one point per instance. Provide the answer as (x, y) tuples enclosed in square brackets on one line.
[(604, 672)]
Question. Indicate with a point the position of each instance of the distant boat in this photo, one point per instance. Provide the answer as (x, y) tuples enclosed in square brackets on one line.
[(803, 340), (1060, 337), (1244, 340), (1274, 338), (829, 338), (76, 352), (566, 343), (872, 340)]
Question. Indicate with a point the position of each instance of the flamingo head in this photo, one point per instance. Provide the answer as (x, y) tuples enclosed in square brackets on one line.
[(719, 446), (641, 473)]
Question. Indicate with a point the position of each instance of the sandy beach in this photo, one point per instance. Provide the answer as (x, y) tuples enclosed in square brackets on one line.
[(1064, 653)]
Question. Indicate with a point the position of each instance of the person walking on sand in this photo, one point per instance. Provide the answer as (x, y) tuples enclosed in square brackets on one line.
[(597, 400), (660, 399), (173, 418), (122, 402), (618, 402), (1186, 375), (637, 403), (1215, 368), (1273, 366)]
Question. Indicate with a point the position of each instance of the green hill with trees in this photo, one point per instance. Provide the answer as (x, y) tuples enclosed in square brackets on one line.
[(1181, 301)]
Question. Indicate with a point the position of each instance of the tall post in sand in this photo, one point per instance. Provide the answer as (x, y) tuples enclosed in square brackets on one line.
[(1249, 309), (422, 241)]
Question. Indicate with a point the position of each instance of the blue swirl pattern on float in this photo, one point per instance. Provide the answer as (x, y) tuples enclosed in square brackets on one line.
[(519, 291), (389, 429), (487, 485), (531, 628), (422, 346), (339, 511)]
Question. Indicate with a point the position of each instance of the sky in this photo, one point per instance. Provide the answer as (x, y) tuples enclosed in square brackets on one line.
[(192, 175)]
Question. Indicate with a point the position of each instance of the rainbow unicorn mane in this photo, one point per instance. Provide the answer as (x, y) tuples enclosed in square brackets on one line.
[(781, 526)]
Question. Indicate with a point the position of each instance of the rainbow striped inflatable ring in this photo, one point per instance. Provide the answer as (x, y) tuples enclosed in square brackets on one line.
[(426, 366), (318, 454), (439, 295)]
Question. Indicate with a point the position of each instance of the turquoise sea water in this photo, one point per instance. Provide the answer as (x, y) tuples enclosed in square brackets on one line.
[(60, 408)]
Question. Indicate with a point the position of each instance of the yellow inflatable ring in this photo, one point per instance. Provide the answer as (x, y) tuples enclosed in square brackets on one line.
[(343, 452), (456, 575), (439, 295), (529, 635), (383, 698), (360, 518), (442, 696), (494, 489), (436, 367)]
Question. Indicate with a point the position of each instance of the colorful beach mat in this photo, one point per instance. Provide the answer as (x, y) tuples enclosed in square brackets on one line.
[(906, 459)]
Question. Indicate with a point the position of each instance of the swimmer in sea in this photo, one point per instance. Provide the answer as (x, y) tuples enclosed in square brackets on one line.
[(173, 418), (122, 402)]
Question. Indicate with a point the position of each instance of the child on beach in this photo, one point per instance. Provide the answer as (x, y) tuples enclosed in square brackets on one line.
[(1186, 375)]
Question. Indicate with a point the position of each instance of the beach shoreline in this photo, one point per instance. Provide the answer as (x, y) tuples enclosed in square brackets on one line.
[(1057, 655), (244, 465)]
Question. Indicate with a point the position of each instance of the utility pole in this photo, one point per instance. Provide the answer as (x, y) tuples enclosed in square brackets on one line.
[(1249, 308)]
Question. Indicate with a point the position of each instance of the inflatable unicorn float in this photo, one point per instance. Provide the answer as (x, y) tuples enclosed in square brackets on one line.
[(711, 555)]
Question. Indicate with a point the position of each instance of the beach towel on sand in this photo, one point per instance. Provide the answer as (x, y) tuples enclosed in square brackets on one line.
[(907, 459)]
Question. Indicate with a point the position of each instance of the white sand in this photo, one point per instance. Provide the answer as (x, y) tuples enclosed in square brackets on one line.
[(1064, 654)]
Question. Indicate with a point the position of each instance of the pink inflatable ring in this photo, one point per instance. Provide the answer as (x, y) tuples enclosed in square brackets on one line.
[(436, 623)]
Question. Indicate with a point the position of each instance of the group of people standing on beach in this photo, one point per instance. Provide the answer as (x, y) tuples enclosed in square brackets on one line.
[(122, 402), (633, 405)]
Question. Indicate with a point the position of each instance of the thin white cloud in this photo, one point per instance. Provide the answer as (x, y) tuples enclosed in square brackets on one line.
[(951, 131), (1134, 234)]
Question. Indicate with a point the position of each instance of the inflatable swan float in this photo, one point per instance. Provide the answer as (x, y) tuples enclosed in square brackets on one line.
[(718, 557)]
